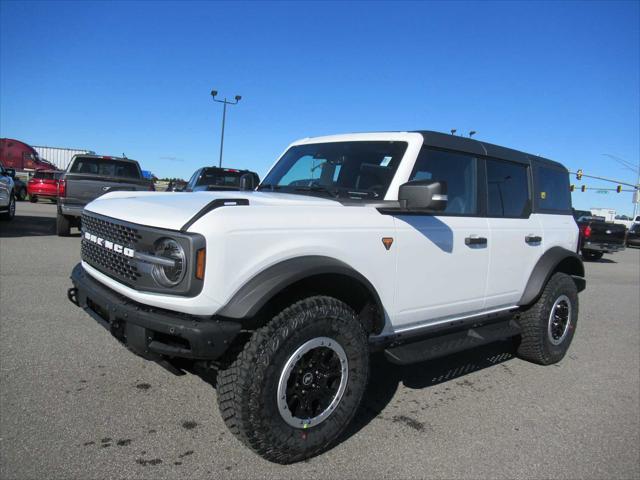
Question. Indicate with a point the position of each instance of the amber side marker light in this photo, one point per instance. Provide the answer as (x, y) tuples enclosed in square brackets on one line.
[(387, 242), (200, 261)]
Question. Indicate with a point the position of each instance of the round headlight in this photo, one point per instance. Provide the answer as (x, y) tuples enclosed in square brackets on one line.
[(170, 276)]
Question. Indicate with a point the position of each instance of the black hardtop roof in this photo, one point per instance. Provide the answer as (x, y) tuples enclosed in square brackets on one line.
[(469, 145)]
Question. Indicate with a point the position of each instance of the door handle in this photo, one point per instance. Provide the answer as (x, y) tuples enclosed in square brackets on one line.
[(533, 238), (475, 241)]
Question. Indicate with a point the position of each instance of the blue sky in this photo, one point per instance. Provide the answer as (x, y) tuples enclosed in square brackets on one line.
[(556, 79)]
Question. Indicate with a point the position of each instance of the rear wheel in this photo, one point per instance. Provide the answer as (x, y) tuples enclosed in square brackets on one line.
[(549, 324), (33, 198), (298, 382), (63, 225), (591, 255), (22, 194), (11, 209)]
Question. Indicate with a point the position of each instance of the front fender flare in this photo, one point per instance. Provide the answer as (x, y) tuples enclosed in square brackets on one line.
[(254, 294)]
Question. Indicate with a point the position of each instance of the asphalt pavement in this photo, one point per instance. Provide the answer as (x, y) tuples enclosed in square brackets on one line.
[(76, 404)]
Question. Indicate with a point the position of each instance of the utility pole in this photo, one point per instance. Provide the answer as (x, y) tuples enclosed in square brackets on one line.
[(225, 102)]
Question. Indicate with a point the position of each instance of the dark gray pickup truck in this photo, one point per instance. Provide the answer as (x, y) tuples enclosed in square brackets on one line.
[(87, 178), (598, 237)]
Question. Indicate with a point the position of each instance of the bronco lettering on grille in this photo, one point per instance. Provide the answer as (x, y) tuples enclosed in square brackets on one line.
[(127, 252)]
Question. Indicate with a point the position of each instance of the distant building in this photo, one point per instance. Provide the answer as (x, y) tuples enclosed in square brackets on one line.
[(609, 214)]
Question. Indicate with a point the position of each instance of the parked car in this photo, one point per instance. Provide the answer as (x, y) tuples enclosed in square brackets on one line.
[(89, 176), (217, 179), (581, 213), (633, 236), (418, 244), (598, 237), (44, 185), (20, 188), (176, 186), (7, 194), (623, 220)]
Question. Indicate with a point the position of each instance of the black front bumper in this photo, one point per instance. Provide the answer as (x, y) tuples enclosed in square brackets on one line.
[(152, 333)]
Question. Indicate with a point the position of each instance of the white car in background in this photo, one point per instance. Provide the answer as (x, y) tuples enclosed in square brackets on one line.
[(624, 220), (7, 193)]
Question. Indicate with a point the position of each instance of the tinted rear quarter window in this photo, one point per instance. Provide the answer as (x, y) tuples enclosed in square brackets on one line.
[(105, 167), (552, 189), (507, 189)]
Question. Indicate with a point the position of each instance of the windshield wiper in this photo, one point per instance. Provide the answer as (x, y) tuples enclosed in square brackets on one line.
[(318, 188)]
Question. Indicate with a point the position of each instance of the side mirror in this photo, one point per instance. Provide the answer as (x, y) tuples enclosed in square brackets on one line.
[(423, 195), (11, 172), (247, 182)]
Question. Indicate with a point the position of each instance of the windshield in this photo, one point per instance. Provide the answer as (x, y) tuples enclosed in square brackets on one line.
[(347, 169)]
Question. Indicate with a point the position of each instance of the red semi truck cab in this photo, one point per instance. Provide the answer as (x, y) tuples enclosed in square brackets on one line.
[(20, 156)]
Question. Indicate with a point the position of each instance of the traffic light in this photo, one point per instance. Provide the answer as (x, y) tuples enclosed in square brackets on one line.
[(583, 188), (572, 187), (579, 175), (619, 188)]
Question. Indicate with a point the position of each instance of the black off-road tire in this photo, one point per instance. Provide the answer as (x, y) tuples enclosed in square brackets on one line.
[(11, 209), (247, 388), (63, 225), (536, 345), (591, 255)]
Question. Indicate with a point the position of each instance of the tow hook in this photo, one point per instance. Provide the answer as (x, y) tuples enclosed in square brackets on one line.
[(72, 295)]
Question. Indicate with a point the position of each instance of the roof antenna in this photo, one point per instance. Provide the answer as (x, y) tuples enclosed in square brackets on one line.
[(472, 133), (453, 131)]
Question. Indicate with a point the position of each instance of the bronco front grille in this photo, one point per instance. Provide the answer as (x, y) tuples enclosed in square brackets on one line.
[(122, 250), (115, 232), (111, 263)]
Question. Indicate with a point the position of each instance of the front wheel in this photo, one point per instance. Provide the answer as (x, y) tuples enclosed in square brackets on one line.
[(22, 194), (298, 382), (33, 199), (549, 324)]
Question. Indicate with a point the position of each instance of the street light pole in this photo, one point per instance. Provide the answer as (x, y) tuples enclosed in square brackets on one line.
[(225, 102)]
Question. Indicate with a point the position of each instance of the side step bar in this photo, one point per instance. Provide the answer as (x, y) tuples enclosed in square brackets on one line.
[(445, 344)]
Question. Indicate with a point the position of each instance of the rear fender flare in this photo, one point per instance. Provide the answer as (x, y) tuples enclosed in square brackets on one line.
[(554, 259)]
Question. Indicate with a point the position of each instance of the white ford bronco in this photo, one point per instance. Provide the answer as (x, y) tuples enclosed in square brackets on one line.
[(418, 244)]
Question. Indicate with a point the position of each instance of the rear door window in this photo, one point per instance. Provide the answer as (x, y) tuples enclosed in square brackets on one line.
[(507, 189), (553, 192)]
